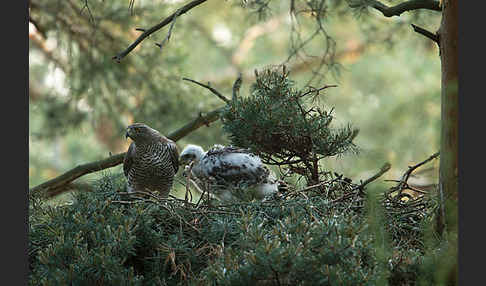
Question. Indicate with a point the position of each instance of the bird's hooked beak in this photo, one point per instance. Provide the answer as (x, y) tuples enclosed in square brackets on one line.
[(127, 133)]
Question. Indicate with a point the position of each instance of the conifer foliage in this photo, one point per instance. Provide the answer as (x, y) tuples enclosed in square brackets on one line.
[(277, 122), (111, 237), (108, 237)]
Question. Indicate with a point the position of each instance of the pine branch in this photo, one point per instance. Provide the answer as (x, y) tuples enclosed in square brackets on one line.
[(63, 183), (397, 10), (157, 27)]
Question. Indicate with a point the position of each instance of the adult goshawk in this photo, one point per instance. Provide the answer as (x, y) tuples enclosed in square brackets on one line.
[(151, 162)]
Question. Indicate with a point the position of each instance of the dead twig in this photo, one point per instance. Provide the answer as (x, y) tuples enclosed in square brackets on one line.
[(217, 93), (157, 27), (428, 34), (403, 183), (317, 90), (382, 171), (397, 10), (166, 39)]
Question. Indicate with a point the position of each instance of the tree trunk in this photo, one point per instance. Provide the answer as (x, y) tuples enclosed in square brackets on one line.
[(448, 173)]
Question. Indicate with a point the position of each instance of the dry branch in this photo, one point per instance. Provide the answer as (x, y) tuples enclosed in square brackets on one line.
[(217, 93), (427, 34), (382, 171), (403, 182), (167, 38), (157, 27), (59, 184), (397, 10)]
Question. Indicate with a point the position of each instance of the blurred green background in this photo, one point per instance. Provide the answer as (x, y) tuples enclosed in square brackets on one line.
[(80, 100)]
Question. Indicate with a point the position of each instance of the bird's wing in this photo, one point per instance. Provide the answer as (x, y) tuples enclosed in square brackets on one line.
[(174, 154), (232, 167), (128, 161), (219, 150)]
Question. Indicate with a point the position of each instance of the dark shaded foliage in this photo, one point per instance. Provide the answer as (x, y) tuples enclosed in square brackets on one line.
[(107, 237)]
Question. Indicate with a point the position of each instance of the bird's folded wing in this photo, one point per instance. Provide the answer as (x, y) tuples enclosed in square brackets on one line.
[(128, 161), (174, 154)]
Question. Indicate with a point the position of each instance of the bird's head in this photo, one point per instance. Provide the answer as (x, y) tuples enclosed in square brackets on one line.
[(191, 153), (140, 132)]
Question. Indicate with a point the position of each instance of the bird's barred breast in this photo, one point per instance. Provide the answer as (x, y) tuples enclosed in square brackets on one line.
[(153, 170)]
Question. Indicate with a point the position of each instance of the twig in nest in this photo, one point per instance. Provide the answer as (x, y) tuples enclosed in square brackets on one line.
[(313, 186), (382, 171), (141, 193), (202, 192), (403, 183), (361, 186), (217, 93), (132, 202)]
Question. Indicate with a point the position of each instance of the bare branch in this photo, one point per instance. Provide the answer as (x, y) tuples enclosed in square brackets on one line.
[(403, 182), (89, 10), (412, 168), (382, 171), (157, 27), (428, 34), (317, 90), (397, 10), (166, 39), (130, 6), (217, 93)]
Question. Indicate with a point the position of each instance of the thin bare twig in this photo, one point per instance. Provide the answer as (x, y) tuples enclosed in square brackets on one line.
[(166, 39), (217, 93), (317, 90), (403, 182), (157, 27), (141, 193), (89, 10), (382, 171), (412, 168), (130, 6)]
